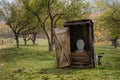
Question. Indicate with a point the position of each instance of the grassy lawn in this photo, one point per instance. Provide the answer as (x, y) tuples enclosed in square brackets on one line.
[(36, 63)]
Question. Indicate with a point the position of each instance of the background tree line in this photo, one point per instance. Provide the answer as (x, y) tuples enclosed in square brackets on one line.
[(109, 20), (32, 17)]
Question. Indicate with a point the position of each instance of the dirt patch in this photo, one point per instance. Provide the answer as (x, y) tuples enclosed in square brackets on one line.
[(103, 43)]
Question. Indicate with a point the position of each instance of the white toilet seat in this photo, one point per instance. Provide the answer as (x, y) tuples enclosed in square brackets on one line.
[(80, 45)]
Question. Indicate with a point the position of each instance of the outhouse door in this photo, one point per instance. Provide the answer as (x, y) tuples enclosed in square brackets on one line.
[(62, 41)]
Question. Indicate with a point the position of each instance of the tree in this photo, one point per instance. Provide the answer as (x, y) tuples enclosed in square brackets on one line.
[(111, 20), (51, 12), (68, 11), (16, 17), (38, 9), (31, 32)]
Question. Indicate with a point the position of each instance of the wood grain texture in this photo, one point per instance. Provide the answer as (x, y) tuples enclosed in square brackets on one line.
[(62, 47)]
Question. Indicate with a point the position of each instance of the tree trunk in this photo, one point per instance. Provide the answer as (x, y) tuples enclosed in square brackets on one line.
[(115, 42), (51, 43), (52, 35), (34, 38), (17, 40), (25, 42), (33, 42), (24, 38), (50, 46)]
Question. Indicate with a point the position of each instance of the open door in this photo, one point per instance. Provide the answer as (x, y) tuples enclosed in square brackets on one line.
[(62, 41)]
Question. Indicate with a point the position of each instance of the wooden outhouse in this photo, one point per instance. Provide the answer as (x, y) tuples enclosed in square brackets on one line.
[(75, 44)]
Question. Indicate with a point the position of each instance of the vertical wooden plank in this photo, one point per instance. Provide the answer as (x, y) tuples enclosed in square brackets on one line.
[(92, 47), (62, 41)]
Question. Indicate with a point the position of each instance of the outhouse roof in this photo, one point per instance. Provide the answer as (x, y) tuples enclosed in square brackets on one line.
[(79, 22)]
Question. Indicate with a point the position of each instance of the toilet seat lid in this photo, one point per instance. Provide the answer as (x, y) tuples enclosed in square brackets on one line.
[(80, 44)]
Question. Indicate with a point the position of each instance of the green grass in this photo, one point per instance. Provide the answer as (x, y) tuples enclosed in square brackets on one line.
[(36, 63)]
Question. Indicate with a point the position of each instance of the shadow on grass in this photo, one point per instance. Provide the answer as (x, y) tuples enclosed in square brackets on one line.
[(24, 53), (60, 71)]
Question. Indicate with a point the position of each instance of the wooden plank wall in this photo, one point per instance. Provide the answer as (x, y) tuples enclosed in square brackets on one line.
[(62, 40)]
